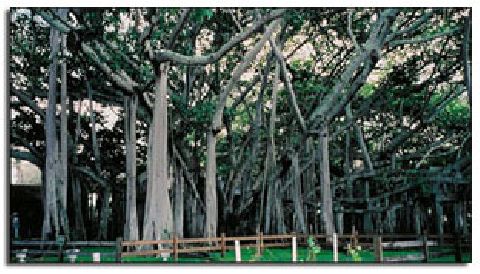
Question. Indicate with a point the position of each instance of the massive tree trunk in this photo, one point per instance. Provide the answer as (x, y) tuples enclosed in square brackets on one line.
[(63, 178), (327, 210), (50, 218), (130, 231), (148, 195), (210, 187), (158, 221), (272, 214)]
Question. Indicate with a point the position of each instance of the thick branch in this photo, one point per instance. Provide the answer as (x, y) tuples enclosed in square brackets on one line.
[(122, 80), (374, 44), (239, 70), (178, 58), (288, 84), (350, 31)]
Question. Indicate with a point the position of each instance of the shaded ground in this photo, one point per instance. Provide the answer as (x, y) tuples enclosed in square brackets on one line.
[(270, 255)]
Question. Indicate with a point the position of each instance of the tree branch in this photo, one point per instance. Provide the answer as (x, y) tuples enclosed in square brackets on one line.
[(168, 55), (178, 27), (288, 84), (350, 31), (424, 39), (239, 70)]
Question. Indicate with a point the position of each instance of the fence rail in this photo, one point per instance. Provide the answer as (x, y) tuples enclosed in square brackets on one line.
[(176, 246)]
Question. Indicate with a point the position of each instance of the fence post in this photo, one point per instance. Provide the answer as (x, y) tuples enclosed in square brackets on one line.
[(118, 250), (458, 248), (223, 244), (96, 257), (261, 243), (425, 246), (238, 255), (335, 247), (294, 249), (377, 241)]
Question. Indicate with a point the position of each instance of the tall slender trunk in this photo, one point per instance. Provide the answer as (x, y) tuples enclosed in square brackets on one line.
[(360, 139), (279, 213), (63, 182), (50, 218), (96, 148), (467, 61), (311, 183), (131, 220), (348, 157), (327, 204), (80, 232), (297, 196), (210, 187), (179, 202), (104, 213), (158, 223), (105, 194), (271, 163)]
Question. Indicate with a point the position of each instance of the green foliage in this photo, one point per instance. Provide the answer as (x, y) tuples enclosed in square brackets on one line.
[(367, 90), (202, 14), (313, 249), (354, 253)]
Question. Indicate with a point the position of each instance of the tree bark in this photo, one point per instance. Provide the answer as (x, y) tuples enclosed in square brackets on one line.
[(158, 223), (104, 213), (50, 218), (131, 220), (297, 196), (179, 202), (327, 204), (63, 182), (210, 187), (271, 163)]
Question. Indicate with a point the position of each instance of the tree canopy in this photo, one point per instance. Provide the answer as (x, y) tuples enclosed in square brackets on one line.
[(198, 121)]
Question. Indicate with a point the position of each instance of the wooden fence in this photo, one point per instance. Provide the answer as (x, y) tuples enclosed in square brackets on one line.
[(175, 246)]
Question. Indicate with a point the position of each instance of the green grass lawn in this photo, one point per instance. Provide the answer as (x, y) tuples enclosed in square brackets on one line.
[(270, 255)]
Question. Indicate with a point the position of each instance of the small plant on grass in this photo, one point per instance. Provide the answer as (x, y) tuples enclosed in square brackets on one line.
[(313, 249), (354, 252)]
